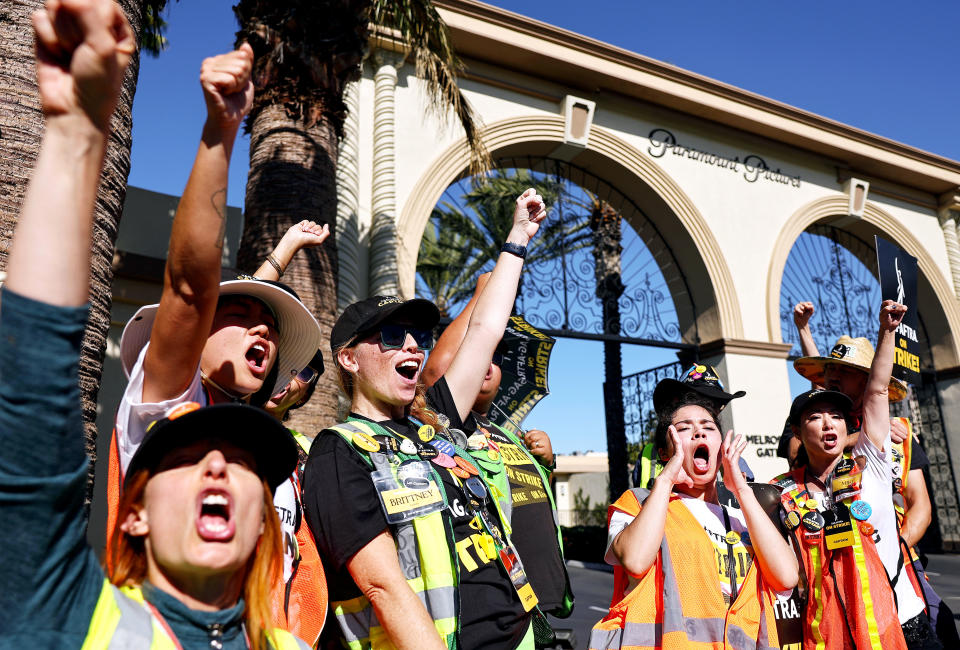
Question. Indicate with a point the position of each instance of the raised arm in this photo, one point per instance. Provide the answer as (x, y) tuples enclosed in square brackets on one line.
[(445, 349), (191, 278), (876, 404), (637, 545), (776, 559), (489, 318), (51, 578), (82, 53), (802, 312), (300, 235)]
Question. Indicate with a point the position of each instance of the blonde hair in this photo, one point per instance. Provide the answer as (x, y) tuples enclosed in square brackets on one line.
[(128, 558)]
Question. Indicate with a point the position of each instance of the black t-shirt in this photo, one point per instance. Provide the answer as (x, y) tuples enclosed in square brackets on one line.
[(534, 532), (918, 457), (344, 514)]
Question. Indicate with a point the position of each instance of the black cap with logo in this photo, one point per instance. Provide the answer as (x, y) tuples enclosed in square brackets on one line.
[(244, 426), (803, 400), (367, 315)]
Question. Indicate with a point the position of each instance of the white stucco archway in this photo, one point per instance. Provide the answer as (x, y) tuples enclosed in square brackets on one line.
[(630, 170), (941, 310)]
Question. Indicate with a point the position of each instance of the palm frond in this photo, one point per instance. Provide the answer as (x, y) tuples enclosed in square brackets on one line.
[(152, 39), (420, 27)]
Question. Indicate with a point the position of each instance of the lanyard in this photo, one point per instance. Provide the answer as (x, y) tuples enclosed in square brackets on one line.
[(731, 559)]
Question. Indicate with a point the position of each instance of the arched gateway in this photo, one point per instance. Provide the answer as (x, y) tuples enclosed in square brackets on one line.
[(730, 180)]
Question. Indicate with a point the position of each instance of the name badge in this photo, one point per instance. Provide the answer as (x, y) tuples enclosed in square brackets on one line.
[(839, 534), (402, 503), (514, 567), (846, 487)]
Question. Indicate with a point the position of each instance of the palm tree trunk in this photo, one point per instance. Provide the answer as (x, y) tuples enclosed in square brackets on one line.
[(292, 177), (605, 223), (21, 127)]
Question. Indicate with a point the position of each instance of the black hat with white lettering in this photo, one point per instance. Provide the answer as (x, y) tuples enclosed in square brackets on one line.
[(367, 315)]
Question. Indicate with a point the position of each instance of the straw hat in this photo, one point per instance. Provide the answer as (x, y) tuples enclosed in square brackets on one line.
[(854, 353)]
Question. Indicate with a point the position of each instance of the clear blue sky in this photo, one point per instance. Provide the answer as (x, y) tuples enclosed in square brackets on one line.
[(886, 67)]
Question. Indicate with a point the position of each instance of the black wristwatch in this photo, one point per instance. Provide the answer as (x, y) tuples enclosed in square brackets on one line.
[(514, 249)]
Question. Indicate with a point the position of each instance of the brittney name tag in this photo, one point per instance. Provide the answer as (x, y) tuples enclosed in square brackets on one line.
[(401, 503), (405, 499)]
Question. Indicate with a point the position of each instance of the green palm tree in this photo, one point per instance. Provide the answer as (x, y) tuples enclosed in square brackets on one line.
[(482, 227), (442, 265), (306, 53)]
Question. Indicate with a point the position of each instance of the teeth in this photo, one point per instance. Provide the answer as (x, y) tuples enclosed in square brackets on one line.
[(259, 347), (409, 364), (215, 500), (216, 526)]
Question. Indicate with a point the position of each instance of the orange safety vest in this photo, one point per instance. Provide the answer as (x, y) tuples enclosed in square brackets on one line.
[(850, 604), (299, 606), (678, 603)]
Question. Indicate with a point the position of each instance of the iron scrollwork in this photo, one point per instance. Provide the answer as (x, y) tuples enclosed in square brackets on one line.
[(826, 267), (638, 414)]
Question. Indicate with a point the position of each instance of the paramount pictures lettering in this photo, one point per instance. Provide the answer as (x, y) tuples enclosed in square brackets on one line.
[(753, 167)]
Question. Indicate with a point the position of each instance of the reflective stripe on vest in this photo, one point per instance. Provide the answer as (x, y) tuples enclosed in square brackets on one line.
[(847, 602), (665, 610), (121, 621), (649, 468), (430, 571), (566, 607)]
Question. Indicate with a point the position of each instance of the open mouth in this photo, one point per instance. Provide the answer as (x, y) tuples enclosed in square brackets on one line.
[(829, 440), (701, 459), (257, 357), (408, 369), (214, 520)]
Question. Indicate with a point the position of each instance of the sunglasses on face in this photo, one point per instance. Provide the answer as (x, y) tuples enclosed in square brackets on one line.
[(392, 337), (308, 374)]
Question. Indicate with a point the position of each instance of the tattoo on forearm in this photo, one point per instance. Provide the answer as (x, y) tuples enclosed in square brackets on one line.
[(219, 201)]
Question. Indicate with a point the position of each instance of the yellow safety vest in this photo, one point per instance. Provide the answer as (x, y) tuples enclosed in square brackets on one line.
[(431, 572), (649, 467), (121, 619)]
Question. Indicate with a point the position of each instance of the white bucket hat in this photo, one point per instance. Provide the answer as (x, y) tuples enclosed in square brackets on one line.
[(299, 332)]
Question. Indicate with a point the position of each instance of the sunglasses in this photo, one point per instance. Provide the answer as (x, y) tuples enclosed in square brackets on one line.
[(392, 337), (308, 374), (497, 358)]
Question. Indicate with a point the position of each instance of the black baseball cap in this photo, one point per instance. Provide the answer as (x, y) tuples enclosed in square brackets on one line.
[(803, 400), (699, 378), (246, 427), (367, 315)]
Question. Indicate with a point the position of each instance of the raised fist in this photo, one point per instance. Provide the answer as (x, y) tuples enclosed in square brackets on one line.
[(802, 312), (227, 87), (530, 211), (891, 315), (83, 48)]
